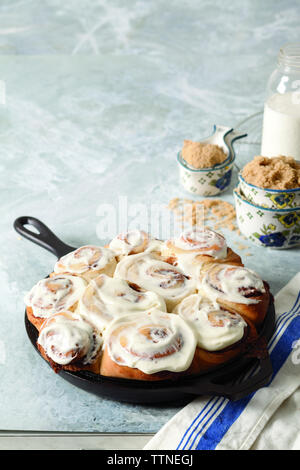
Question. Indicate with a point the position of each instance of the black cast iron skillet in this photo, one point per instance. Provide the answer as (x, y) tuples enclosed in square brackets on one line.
[(224, 381)]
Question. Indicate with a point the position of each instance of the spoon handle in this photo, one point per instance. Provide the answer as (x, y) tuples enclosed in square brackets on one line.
[(234, 135), (222, 130), (230, 138)]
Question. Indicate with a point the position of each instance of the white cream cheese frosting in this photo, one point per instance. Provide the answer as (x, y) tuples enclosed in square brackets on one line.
[(151, 342), (191, 245), (204, 241), (107, 298), (216, 329), (134, 242), (54, 294), (66, 339), (232, 283), (153, 274), (131, 242), (85, 258)]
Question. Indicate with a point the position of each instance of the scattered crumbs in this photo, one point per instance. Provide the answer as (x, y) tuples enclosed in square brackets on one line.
[(220, 214), (173, 203), (248, 254), (240, 246)]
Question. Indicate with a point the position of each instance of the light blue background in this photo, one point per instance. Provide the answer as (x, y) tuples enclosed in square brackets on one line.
[(99, 97)]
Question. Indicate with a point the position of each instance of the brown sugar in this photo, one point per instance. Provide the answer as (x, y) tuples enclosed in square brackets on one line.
[(220, 214), (201, 155), (273, 172), (216, 213)]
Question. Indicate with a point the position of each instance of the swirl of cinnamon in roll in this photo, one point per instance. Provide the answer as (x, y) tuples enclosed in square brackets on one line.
[(133, 242), (88, 262), (150, 342), (151, 273), (52, 295), (199, 246), (107, 298), (68, 340), (236, 289), (236, 283), (130, 243), (216, 328), (204, 240)]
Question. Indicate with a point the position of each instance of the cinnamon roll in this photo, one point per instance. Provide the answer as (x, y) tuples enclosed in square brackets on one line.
[(197, 247), (151, 273), (88, 262), (53, 295), (133, 242), (148, 346), (221, 335), (105, 309), (216, 328), (107, 298), (69, 342), (237, 289)]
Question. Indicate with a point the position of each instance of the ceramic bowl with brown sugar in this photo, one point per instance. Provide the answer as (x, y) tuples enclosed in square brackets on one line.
[(268, 227), (214, 180), (270, 198)]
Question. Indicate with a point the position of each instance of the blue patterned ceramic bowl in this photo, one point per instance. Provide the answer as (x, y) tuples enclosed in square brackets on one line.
[(273, 228), (271, 198), (214, 180), (206, 181)]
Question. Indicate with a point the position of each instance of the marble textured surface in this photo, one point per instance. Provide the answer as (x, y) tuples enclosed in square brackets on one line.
[(99, 97)]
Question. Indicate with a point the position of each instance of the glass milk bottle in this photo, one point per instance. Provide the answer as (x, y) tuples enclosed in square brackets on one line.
[(281, 122)]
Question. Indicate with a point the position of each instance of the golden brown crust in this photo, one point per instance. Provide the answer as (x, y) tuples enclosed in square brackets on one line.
[(36, 321), (203, 361), (95, 367), (109, 368), (75, 366), (90, 274), (170, 256), (231, 258), (255, 313)]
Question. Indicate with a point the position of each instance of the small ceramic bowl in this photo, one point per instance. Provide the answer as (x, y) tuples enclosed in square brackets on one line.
[(273, 228), (214, 180), (206, 181), (270, 198)]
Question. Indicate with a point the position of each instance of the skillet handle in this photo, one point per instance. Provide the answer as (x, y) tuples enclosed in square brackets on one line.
[(250, 385), (44, 238), (236, 391)]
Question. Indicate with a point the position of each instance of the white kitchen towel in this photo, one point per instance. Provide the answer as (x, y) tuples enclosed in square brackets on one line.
[(210, 423)]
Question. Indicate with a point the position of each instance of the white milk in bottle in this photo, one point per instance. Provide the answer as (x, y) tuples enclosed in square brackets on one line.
[(281, 122)]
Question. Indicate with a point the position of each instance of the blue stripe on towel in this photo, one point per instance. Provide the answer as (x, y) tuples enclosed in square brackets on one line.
[(282, 319), (232, 410), (223, 401), (200, 416)]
